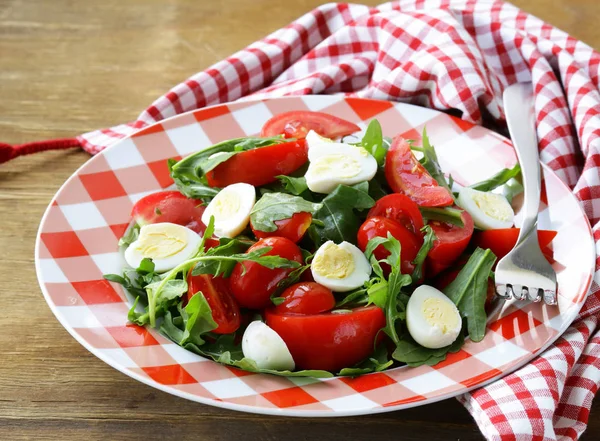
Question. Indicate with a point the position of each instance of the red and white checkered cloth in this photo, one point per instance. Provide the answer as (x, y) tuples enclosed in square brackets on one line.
[(445, 54)]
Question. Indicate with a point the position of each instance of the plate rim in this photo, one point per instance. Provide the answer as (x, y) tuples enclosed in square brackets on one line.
[(291, 412)]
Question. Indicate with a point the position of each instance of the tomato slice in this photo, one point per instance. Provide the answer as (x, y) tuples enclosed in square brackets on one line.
[(328, 341), (405, 174), (292, 228), (501, 241), (400, 208), (297, 124), (450, 244), (169, 206), (225, 310), (380, 227), (252, 284), (306, 298), (260, 166)]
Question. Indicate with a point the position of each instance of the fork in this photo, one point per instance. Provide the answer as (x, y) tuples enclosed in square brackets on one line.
[(524, 273)]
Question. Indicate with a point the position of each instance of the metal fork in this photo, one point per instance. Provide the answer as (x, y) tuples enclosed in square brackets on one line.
[(524, 273)]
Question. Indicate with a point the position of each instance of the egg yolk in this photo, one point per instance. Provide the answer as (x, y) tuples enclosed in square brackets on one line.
[(334, 262), (440, 314), (340, 166), (492, 204), (158, 241), (225, 205)]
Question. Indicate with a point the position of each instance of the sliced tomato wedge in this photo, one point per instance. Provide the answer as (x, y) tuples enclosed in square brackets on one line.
[(306, 298), (260, 166), (297, 124), (292, 228), (328, 341), (169, 206), (405, 174), (225, 310), (451, 242), (503, 240), (401, 209)]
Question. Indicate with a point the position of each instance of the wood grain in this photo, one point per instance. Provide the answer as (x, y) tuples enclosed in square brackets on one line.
[(70, 67)]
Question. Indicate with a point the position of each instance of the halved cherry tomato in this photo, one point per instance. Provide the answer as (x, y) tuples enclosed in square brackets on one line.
[(400, 208), (328, 341), (405, 174), (298, 123), (306, 298), (501, 241), (380, 227), (292, 228), (169, 206), (450, 244), (225, 310), (259, 166), (252, 284)]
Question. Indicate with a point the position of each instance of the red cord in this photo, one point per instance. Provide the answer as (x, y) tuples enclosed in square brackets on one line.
[(8, 152)]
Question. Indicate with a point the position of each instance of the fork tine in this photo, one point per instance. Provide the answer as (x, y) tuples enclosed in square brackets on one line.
[(535, 294), (501, 291), (550, 297)]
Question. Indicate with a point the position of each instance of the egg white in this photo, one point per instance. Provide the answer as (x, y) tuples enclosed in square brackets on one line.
[(332, 163), (134, 256), (231, 208), (428, 335), (356, 279), (493, 210), (266, 348)]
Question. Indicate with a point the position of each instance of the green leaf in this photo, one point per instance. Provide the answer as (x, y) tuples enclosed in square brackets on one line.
[(500, 178), (512, 188), (130, 236), (372, 141), (171, 289), (138, 318), (198, 189), (429, 238), (468, 291), (337, 212), (197, 319), (356, 297), (195, 166), (431, 163), (293, 185), (377, 362), (146, 266), (413, 354), (446, 214), (377, 185), (276, 206)]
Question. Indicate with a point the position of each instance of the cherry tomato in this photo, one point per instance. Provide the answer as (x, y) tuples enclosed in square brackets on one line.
[(405, 174), (298, 123), (501, 241), (306, 298), (292, 228), (400, 208), (259, 166), (169, 206), (252, 284), (380, 227), (225, 310), (328, 341), (450, 244)]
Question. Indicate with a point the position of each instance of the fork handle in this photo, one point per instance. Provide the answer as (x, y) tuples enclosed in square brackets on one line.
[(520, 119)]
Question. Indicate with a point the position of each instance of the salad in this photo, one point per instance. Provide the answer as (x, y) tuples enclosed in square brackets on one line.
[(312, 251)]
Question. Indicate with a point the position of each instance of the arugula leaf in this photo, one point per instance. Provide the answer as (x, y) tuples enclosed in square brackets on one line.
[(197, 319), (445, 214), (500, 178), (276, 206), (356, 297), (372, 142), (195, 189), (511, 189), (468, 291), (293, 185), (130, 236), (413, 354), (378, 185), (377, 362), (195, 166), (431, 163), (428, 240), (225, 350), (337, 212)]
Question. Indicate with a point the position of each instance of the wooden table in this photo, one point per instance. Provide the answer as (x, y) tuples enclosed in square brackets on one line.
[(69, 68)]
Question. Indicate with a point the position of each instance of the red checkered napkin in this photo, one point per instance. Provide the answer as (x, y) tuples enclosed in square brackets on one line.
[(448, 54)]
